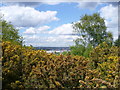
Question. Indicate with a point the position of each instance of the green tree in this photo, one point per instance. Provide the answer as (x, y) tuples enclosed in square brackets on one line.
[(0, 31), (92, 29), (77, 50), (117, 42), (9, 33), (81, 50)]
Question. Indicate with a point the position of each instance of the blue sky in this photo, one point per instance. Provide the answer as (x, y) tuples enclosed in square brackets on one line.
[(50, 24)]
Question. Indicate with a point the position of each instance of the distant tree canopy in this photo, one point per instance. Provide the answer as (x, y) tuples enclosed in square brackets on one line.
[(9, 33), (81, 50), (92, 30)]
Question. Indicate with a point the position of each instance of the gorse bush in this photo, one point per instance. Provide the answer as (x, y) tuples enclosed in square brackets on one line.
[(11, 65), (31, 68), (105, 61), (57, 71), (27, 68)]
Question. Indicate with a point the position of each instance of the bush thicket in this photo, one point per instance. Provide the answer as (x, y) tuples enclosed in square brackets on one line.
[(27, 68)]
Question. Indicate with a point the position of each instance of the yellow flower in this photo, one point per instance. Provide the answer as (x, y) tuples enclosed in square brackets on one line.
[(8, 71), (109, 75), (17, 82), (103, 87), (107, 79), (57, 83)]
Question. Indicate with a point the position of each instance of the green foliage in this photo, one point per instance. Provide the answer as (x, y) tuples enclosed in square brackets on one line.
[(81, 50), (87, 51), (0, 31), (9, 33), (117, 42), (77, 50), (92, 29), (66, 53), (105, 61)]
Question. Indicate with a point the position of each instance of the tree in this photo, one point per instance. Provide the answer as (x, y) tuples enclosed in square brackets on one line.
[(81, 50), (117, 42), (9, 33), (0, 31), (92, 30), (77, 50)]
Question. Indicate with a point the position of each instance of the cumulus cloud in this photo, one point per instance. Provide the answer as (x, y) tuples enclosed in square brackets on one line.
[(19, 28), (30, 30), (51, 41), (55, 2), (35, 40), (61, 40), (60, 0), (88, 5), (30, 4), (36, 30), (63, 29), (26, 16), (60, 36), (110, 13)]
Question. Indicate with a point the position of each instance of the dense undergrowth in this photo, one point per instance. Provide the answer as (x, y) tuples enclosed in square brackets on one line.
[(26, 68)]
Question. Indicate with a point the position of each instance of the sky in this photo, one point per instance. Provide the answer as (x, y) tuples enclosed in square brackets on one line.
[(49, 24)]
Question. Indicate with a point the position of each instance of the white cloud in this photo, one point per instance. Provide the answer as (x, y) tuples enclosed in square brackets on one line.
[(34, 40), (110, 13), (37, 30), (61, 40), (26, 16), (49, 40), (19, 28), (60, 36), (50, 2), (88, 5), (32, 37), (114, 32), (30, 30), (63, 29), (43, 28), (60, 0)]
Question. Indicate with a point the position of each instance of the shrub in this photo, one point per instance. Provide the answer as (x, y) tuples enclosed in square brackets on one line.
[(27, 68), (105, 61), (30, 68), (11, 65)]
